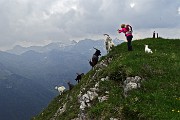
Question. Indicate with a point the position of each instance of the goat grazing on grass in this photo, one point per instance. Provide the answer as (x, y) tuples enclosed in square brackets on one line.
[(95, 57), (79, 76), (70, 86), (148, 50), (108, 43), (60, 89)]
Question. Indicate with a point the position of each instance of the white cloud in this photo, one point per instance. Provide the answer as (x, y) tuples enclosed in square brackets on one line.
[(39, 21), (63, 6), (132, 5)]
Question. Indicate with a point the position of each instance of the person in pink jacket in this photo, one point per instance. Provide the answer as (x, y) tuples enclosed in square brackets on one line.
[(127, 30)]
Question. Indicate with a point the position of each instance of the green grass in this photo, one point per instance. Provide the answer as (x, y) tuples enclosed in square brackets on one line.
[(157, 99)]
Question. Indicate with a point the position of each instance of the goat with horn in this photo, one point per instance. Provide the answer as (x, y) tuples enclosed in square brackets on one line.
[(79, 76), (95, 57), (108, 43)]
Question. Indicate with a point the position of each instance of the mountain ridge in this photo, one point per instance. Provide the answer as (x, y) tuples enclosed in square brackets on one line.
[(18, 50), (46, 70), (156, 97)]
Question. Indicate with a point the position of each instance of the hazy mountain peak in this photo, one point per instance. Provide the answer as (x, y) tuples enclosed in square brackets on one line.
[(74, 42), (18, 46)]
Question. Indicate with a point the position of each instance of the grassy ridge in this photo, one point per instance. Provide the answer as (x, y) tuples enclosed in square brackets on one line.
[(158, 97)]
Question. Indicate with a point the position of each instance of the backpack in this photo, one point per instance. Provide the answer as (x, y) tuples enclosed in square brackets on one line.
[(129, 29)]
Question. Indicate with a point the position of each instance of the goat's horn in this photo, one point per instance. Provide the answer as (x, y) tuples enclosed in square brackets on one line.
[(95, 48), (106, 34)]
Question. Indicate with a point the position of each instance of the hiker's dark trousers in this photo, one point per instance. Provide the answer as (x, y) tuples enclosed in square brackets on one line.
[(129, 39)]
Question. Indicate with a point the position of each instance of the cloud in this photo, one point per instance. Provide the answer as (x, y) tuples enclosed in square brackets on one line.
[(39, 22), (132, 5)]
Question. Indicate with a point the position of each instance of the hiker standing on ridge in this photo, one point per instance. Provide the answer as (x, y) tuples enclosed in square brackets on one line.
[(127, 30), (154, 34), (157, 35)]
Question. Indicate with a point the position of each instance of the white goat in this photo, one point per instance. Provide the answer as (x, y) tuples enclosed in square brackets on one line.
[(108, 43), (60, 89), (148, 50)]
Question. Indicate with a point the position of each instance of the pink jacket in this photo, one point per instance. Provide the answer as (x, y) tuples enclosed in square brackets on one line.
[(125, 31)]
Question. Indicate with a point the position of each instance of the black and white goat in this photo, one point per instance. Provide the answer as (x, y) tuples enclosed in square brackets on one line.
[(108, 43), (95, 57), (79, 76)]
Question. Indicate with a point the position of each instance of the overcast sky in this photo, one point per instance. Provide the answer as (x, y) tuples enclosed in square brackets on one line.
[(39, 22)]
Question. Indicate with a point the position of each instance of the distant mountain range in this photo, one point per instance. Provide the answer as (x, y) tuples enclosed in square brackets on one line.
[(28, 75), (87, 43), (41, 49)]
